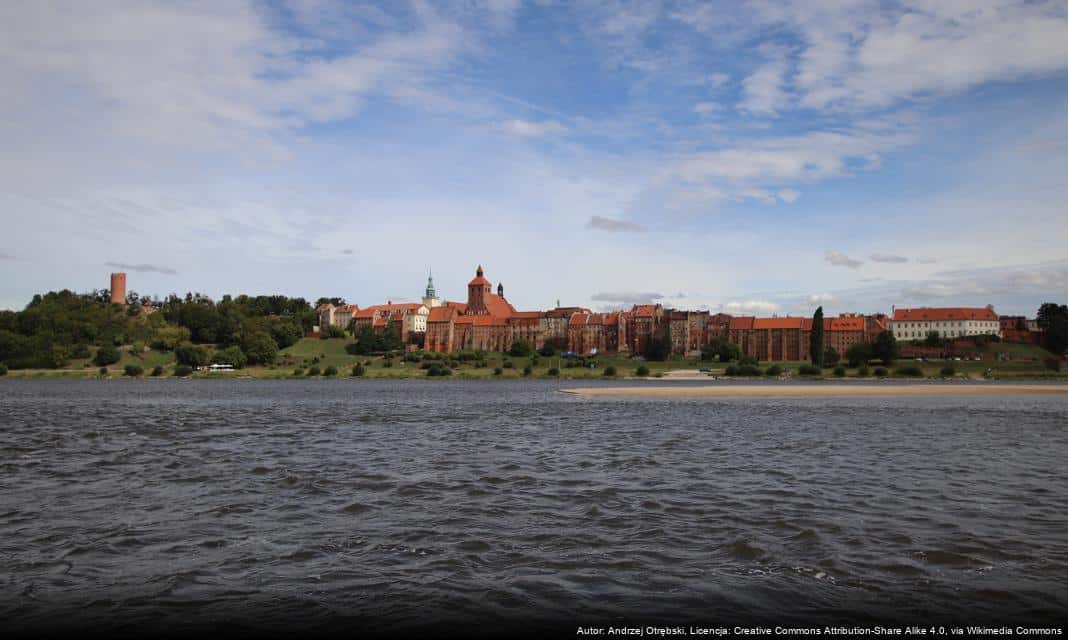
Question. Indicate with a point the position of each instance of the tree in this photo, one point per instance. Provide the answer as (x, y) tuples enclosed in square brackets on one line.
[(859, 354), (106, 355), (337, 302), (1053, 319), (191, 355), (260, 348), (830, 357), (287, 333), (885, 348), (815, 338), (657, 349), (521, 347), (167, 338), (232, 355), (933, 339)]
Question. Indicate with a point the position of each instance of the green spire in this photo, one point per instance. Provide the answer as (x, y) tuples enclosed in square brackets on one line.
[(430, 286)]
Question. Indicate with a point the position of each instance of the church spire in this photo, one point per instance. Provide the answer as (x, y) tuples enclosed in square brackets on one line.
[(430, 293)]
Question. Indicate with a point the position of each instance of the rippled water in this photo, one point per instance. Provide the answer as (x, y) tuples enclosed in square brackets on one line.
[(263, 506)]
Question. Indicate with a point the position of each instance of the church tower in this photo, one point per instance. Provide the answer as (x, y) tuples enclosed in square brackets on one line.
[(430, 298), (476, 293)]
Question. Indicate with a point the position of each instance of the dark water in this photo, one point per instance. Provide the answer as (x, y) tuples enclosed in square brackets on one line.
[(475, 507)]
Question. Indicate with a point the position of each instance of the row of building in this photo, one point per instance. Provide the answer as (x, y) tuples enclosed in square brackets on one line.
[(489, 322)]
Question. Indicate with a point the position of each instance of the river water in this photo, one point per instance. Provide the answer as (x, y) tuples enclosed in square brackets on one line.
[(477, 507)]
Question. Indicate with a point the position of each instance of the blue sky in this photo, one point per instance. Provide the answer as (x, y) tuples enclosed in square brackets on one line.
[(750, 157)]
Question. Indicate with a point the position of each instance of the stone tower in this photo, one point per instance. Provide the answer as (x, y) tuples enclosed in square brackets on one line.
[(430, 298), (476, 292), (118, 288)]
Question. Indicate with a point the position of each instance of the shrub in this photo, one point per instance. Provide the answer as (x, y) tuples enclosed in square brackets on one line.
[(106, 355), (157, 371), (298, 371), (414, 356), (387, 363), (1053, 364), (132, 370), (333, 331), (839, 371), (642, 370), (259, 347), (858, 354), (232, 355), (553, 371), (548, 350), (610, 370), (863, 372), (497, 371), (911, 371), (750, 360), (79, 351), (809, 370), (190, 354), (749, 370), (773, 370), (330, 371), (313, 371), (881, 372), (358, 370), (167, 338), (3, 369), (527, 370), (103, 371), (731, 370), (507, 364), (182, 371), (437, 370), (830, 357), (948, 371), (520, 348)]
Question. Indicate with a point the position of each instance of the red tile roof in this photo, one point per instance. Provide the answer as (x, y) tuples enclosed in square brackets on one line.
[(777, 323), (527, 314), (844, 324), (939, 314), (741, 323), (441, 314), (488, 321), (644, 310), (498, 306)]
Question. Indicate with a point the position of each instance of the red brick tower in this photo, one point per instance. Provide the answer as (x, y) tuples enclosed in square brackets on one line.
[(476, 290), (118, 288)]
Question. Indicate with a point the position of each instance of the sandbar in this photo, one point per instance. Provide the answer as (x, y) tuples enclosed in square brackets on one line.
[(821, 390)]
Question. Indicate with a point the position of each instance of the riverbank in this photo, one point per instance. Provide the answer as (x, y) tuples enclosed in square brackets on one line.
[(822, 390)]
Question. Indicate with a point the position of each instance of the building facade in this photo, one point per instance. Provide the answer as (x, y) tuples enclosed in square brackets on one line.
[(949, 322)]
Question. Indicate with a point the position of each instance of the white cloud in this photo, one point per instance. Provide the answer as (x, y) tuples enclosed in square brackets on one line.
[(788, 195), (610, 224), (839, 259), (628, 297), (821, 298), (887, 258), (142, 268), (765, 90), (531, 129), (705, 108), (760, 307)]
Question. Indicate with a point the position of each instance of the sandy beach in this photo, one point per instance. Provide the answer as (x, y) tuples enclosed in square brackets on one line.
[(828, 390)]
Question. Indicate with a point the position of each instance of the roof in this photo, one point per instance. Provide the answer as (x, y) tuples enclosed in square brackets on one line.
[(742, 322), (578, 318), (441, 314), (527, 314), (459, 306), (644, 310), (939, 314), (851, 323), (480, 280), (778, 323), (488, 321), (611, 319), (498, 306)]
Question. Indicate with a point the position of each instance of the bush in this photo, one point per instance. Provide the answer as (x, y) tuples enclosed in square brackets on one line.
[(497, 371), (259, 348), (863, 372), (298, 371), (773, 370), (527, 370), (548, 350), (609, 371), (553, 371), (731, 370), (839, 371), (313, 371), (642, 370), (79, 351), (190, 354), (859, 354), (132, 370), (911, 371), (881, 372), (106, 355), (387, 363), (830, 357), (749, 370), (437, 370), (333, 331), (358, 370), (232, 355), (157, 371), (507, 364), (103, 371), (330, 371), (520, 348), (414, 356), (3, 369), (749, 360), (167, 338), (948, 371), (809, 370), (182, 371)]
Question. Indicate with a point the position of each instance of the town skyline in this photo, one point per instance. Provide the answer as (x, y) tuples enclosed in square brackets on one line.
[(759, 159)]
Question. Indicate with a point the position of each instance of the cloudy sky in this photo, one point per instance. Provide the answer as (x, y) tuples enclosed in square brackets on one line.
[(753, 157)]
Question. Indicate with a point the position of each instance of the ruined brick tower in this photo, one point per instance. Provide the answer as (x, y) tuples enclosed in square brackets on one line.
[(118, 288)]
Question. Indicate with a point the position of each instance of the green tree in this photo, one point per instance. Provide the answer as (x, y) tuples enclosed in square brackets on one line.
[(830, 357), (167, 338), (815, 338), (657, 349), (106, 355), (859, 354), (232, 355), (287, 332), (885, 348), (191, 355), (1053, 320), (521, 347), (260, 348), (932, 339), (132, 370)]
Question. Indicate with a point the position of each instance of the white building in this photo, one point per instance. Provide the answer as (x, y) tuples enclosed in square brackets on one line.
[(949, 322)]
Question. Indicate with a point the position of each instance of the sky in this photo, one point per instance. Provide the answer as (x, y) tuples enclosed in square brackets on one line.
[(746, 157)]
